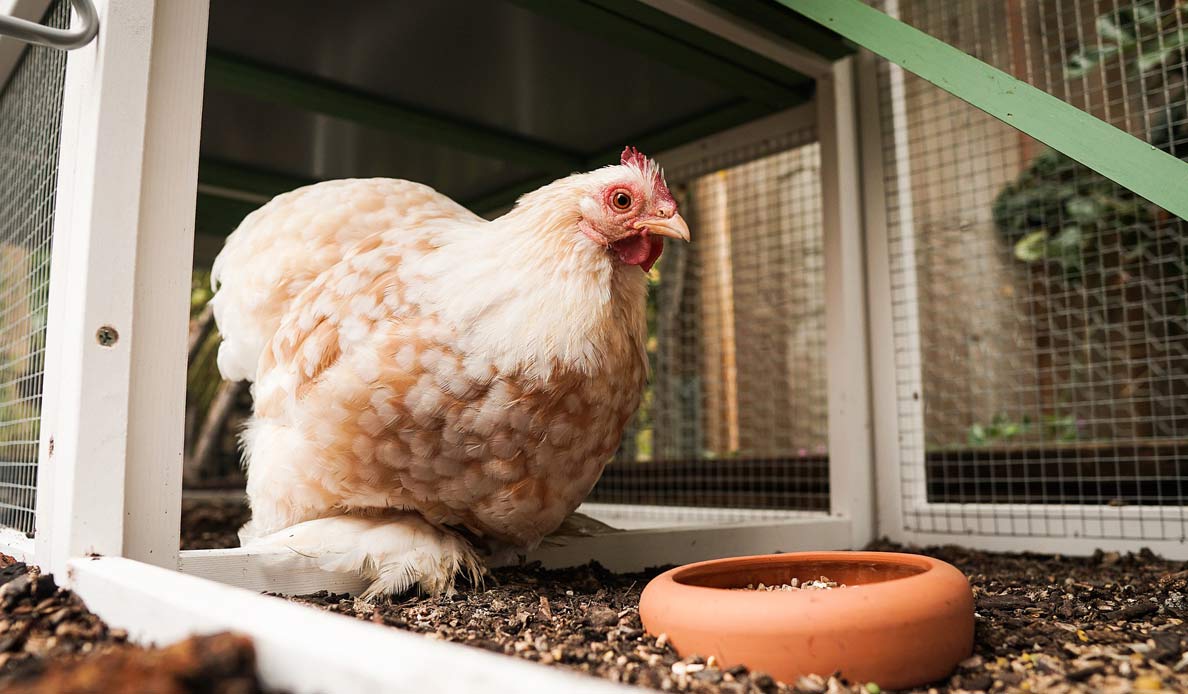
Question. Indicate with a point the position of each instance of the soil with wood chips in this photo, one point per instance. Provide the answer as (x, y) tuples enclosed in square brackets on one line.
[(212, 521), (50, 643), (1104, 624)]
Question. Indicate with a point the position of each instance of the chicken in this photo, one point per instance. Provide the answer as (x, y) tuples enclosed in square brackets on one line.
[(430, 387)]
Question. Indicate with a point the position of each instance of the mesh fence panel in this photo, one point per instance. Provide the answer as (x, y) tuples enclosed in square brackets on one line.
[(1041, 311), (735, 415), (30, 112)]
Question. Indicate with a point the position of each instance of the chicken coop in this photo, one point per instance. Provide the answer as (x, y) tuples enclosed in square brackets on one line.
[(937, 289)]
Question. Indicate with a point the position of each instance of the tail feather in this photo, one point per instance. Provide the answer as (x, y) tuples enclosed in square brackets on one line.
[(394, 552)]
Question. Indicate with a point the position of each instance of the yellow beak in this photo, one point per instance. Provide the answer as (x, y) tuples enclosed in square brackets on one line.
[(672, 227)]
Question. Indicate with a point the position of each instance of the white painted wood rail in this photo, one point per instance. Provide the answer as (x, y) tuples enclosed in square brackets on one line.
[(628, 550), (302, 649)]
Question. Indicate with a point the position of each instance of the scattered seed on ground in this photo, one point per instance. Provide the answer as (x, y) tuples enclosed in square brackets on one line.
[(821, 583)]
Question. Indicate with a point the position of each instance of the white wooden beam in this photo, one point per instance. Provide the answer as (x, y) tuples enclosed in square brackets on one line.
[(880, 297), (161, 303), (85, 406), (717, 21), (635, 550), (287, 573), (630, 550), (110, 454), (654, 516), (302, 649), (897, 378), (851, 477)]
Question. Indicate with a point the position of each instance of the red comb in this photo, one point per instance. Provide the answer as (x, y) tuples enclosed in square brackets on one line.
[(633, 157)]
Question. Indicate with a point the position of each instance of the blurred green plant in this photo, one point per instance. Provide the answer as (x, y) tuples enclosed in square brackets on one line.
[(1058, 211), (200, 291), (639, 440), (1142, 36), (1002, 429)]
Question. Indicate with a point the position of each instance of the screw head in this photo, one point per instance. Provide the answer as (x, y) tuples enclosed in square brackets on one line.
[(107, 336)]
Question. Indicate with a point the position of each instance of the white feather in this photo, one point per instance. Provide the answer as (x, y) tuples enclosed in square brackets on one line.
[(394, 552)]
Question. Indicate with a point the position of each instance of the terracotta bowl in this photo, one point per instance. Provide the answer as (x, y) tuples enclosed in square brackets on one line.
[(901, 621)]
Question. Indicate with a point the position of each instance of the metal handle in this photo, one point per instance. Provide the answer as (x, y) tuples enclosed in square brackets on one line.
[(63, 39)]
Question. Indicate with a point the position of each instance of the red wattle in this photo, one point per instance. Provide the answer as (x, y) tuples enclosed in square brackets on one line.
[(654, 255), (642, 249)]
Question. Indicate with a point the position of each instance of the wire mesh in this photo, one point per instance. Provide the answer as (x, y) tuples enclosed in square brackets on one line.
[(30, 114), (1040, 310), (735, 414)]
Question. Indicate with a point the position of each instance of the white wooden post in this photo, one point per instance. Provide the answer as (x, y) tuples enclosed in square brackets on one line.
[(847, 359), (110, 459), (161, 306), (884, 373)]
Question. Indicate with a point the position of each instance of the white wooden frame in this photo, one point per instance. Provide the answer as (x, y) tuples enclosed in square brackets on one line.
[(111, 437), (851, 477), (901, 492)]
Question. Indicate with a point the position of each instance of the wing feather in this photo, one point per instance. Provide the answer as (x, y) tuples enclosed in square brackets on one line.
[(280, 249)]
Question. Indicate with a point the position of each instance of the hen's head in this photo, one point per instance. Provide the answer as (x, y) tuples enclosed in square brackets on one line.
[(628, 210)]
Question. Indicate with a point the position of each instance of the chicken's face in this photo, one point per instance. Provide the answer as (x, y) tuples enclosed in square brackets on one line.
[(629, 210)]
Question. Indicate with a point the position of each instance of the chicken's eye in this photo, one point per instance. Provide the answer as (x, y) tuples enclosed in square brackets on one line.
[(621, 200)]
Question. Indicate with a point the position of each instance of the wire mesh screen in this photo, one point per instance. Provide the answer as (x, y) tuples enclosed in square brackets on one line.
[(30, 111), (1041, 320), (735, 414)]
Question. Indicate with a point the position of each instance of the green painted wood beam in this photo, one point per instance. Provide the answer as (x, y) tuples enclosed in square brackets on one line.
[(311, 93), (692, 50), (658, 140), (1113, 153), (247, 179), (806, 34)]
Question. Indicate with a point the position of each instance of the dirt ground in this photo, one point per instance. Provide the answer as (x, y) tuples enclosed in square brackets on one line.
[(50, 644), (1105, 624), (212, 521)]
